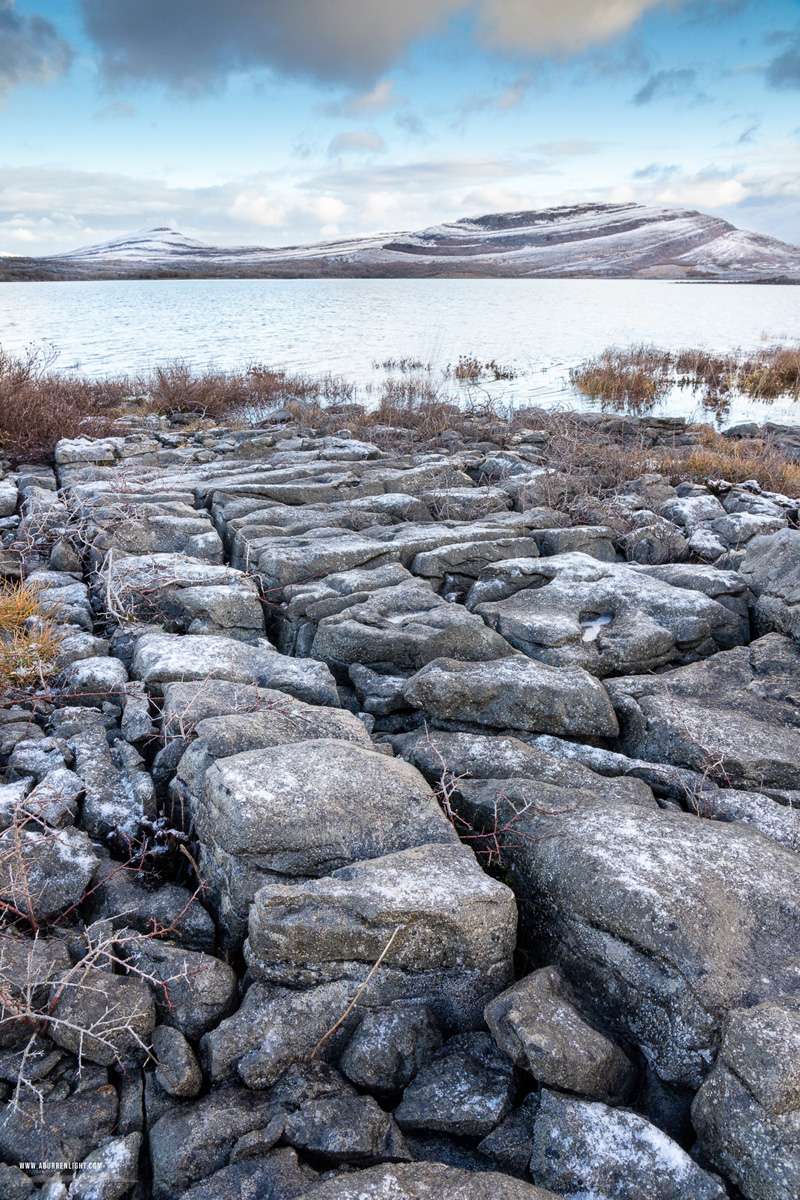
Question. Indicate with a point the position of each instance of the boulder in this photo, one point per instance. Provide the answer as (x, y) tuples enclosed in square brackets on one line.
[(283, 561), (191, 1141), (465, 1089), (118, 791), (277, 1027), (442, 911), (72, 1114), (606, 618), (274, 1176), (584, 1149), (113, 1171), (403, 628), (149, 906), (192, 991), (425, 1181), (102, 1018), (178, 1070), (771, 569), (485, 756), (513, 693), (27, 967), (510, 1144), (390, 1046), (305, 810), (595, 540), (732, 718), (662, 922), (538, 1026), (747, 1113), (162, 658), (279, 720), (46, 870), (184, 595)]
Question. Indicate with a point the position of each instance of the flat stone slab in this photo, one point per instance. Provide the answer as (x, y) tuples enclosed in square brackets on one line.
[(732, 717), (513, 693), (405, 627), (448, 914), (604, 617), (663, 921), (304, 810), (162, 658)]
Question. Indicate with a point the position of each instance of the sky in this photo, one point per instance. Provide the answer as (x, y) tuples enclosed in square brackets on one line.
[(277, 122)]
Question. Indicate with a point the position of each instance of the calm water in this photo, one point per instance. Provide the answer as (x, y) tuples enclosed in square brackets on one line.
[(540, 327)]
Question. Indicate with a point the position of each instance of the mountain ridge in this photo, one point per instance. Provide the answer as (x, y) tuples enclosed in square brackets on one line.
[(624, 240)]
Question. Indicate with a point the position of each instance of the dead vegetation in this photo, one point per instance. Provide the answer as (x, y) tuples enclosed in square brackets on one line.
[(29, 640), (635, 378)]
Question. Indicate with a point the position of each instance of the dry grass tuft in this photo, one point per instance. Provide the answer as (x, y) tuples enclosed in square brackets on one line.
[(631, 380), (29, 641), (720, 458)]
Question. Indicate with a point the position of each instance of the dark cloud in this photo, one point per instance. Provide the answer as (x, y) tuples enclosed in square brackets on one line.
[(192, 44), (31, 50), (668, 85), (784, 71)]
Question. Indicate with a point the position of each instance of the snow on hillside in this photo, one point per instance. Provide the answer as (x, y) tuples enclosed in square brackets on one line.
[(621, 240)]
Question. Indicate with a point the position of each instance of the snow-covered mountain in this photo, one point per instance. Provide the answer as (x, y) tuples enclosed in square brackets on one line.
[(621, 240)]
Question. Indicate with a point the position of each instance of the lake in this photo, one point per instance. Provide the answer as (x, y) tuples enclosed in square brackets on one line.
[(540, 327)]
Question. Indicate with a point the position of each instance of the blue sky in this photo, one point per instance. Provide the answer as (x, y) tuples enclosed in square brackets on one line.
[(279, 121)]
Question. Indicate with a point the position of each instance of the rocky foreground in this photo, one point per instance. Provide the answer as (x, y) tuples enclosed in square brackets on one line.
[(386, 835)]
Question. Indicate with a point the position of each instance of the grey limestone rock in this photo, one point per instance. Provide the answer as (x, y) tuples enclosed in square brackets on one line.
[(465, 1089), (192, 991), (275, 1176), (304, 810), (52, 869), (441, 910), (583, 1149), (193, 1140), (513, 693), (103, 1018), (771, 569), (113, 1171), (77, 1111), (184, 594), (747, 1113), (390, 1046), (731, 717), (426, 1181), (161, 658), (403, 628), (178, 1070), (537, 1024), (607, 618), (663, 922), (125, 898), (278, 720)]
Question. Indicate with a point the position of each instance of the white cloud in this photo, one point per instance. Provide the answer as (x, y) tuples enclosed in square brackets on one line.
[(376, 100), (360, 141)]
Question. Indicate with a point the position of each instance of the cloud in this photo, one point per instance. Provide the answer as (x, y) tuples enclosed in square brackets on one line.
[(570, 148), (376, 100), (193, 44), (784, 71), (660, 171), (666, 85), (31, 50), (359, 141)]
